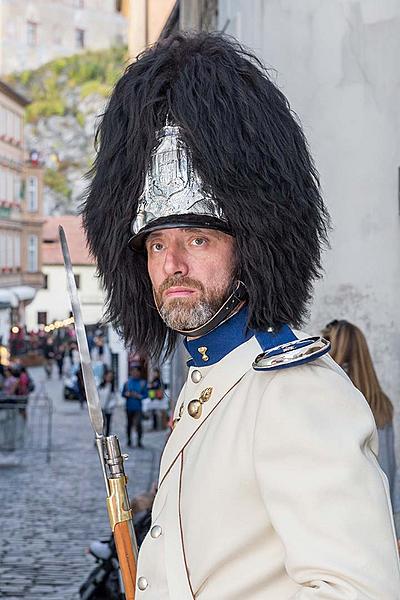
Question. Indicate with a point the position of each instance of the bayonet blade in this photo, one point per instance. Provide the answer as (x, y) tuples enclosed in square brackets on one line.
[(92, 396)]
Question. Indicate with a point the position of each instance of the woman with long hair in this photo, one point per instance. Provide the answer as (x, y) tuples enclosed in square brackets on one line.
[(350, 351)]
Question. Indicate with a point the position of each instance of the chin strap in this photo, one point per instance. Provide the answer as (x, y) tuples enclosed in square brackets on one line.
[(237, 297)]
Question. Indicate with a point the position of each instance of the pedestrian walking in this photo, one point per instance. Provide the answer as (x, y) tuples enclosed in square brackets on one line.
[(49, 354), (60, 357), (99, 344), (107, 398), (269, 488), (10, 383), (25, 384), (156, 392), (80, 386), (74, 354), (134, 390), (350, 350)]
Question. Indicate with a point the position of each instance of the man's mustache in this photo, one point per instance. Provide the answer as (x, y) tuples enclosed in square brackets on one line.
[(177, 280)]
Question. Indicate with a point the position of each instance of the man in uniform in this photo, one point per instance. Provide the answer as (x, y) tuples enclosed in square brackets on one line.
[(206, 220)]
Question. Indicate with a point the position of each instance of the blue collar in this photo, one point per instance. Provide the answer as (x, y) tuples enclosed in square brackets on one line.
[(229, 335)]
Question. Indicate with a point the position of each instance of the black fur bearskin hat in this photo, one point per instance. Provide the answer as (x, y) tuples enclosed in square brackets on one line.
[(249, 151)]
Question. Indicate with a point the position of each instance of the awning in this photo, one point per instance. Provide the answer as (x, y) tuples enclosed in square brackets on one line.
[(8, 297), (24, 292)]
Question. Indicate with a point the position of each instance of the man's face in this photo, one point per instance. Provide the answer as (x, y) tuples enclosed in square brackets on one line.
[(192, 271)]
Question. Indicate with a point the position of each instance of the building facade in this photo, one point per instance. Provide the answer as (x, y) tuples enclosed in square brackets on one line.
[(21, 215), (52, 302), (34, 32), (147, 20)]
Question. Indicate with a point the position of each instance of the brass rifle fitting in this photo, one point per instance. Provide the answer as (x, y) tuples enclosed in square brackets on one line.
[(116, 502)]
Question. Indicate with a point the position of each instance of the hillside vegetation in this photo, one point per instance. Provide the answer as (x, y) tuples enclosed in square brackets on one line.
[(67, 96)]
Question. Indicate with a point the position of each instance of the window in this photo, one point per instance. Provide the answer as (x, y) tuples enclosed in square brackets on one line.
[(32, 194), (79, 38), (3, 184), (32, 254), (3, 124), (9, 124), (3, 243), (79, 3), (17, 251), (77, 281), (31, 33), (17, 128), (119, 40), (17, 189), (45, 282), (10, 252), (10, 187), (42, 318), (57, 35)]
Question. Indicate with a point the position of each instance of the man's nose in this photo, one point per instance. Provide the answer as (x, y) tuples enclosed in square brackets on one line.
[(175, 262)]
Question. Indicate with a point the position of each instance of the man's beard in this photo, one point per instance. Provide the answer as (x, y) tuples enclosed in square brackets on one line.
[(188, 313)]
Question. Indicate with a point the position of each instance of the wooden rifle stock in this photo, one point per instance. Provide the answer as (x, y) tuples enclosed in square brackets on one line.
[(127, 560), (120, 515)]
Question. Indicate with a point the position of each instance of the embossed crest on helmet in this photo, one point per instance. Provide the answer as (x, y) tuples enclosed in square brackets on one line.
[(172, 186)]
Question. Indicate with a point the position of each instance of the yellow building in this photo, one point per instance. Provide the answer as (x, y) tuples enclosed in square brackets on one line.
[(148, 20), (21, 214)]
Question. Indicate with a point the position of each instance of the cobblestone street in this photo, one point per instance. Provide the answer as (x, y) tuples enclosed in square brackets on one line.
[(50, 512)]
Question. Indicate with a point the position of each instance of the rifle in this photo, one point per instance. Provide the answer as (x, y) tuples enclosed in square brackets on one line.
[(108, 448)]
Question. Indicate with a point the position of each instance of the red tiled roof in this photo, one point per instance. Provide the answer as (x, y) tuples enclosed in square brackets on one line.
[(51, 246)]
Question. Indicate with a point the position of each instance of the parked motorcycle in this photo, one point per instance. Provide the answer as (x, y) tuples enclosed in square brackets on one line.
[(104, 581)]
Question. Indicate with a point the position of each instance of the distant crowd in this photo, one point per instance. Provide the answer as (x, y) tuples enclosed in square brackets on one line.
[(144, 396)]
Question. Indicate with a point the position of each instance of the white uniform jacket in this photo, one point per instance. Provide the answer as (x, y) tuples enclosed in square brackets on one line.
[(273, 493)]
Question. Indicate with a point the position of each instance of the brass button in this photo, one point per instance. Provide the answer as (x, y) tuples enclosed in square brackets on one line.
[(194, 409), (155, 531), (203, 350), (142, 583), (196, 376)]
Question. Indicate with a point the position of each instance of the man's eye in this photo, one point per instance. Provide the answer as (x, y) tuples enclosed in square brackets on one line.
[(157, 247), (198, 242)]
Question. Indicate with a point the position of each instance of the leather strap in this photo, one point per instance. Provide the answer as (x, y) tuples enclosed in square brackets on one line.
[(237, 296)]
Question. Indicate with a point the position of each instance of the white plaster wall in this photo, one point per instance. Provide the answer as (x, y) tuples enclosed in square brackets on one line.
[(337, 62), (55, 300)]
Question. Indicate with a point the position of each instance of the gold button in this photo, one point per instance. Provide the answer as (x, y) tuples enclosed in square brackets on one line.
[(155, 531), (196, 376), (203, 350), (194, 409), (142, 583)]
